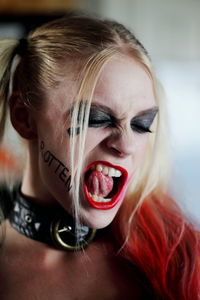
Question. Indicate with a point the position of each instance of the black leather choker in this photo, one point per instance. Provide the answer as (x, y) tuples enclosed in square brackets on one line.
[(51, 225)]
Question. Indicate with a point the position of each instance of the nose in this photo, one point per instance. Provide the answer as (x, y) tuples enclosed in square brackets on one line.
[(121, 143)]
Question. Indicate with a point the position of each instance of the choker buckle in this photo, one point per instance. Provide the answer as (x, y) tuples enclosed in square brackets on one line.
[(66, 236)]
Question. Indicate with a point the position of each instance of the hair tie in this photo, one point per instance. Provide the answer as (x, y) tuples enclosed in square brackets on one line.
[(22, 47)]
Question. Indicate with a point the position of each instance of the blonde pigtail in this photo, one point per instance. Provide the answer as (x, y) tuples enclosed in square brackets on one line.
[(7, 52)]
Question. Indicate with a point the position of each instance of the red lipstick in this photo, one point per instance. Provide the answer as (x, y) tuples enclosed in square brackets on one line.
[(111, 180)]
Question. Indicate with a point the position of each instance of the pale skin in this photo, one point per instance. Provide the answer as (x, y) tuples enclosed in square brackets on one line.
[(33, 270)]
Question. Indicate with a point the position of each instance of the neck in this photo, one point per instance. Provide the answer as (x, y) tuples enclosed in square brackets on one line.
[(31, 185)]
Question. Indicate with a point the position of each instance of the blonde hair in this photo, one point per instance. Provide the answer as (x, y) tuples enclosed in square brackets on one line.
[(91, 43)]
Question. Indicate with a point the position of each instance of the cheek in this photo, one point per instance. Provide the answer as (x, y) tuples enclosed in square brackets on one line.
[(141, 145), (54, 141), (53, 168), (93, 139)]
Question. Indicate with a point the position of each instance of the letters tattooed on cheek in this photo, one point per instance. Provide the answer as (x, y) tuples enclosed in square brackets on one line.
[(57, 166)]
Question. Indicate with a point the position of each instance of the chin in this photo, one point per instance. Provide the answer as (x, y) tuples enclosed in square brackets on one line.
[(98, 219)]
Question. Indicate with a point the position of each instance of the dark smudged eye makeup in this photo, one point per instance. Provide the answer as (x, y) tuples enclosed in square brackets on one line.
[(143, 122), (140, 123), (100, 118)]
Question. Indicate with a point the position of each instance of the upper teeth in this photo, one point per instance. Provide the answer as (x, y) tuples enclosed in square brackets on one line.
[(112, 172)]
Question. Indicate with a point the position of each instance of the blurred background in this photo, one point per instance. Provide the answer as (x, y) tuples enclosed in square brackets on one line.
[(169, 31)]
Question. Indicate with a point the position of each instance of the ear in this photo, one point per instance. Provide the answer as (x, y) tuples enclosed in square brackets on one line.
[(22, 118)]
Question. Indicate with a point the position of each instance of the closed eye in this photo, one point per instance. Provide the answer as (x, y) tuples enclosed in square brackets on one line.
[(99, 118), (140, 128), (143, 122), (99, 123)]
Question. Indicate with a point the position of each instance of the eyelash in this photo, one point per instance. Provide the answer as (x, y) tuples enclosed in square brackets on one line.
[(100, 123), (140, 129)]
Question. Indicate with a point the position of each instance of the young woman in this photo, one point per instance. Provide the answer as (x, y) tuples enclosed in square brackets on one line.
[(90, 217)]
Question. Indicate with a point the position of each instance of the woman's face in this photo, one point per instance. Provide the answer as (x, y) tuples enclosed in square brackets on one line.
[(122, 111)]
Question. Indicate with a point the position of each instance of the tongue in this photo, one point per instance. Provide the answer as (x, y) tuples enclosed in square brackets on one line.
[(99, 184)]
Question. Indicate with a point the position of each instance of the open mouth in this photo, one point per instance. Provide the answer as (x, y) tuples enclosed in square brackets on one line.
[(104, 184)]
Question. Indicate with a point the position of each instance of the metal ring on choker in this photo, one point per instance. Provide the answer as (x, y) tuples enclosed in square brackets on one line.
[(65, 237)]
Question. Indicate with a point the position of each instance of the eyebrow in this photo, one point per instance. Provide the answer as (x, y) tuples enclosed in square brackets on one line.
[(109, 110), (104, 108)]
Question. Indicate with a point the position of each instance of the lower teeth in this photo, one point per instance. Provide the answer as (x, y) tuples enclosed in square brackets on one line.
[(99, 199)]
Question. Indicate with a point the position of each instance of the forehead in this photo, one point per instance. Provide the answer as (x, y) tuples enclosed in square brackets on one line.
[(124, 83), (124, 86)]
